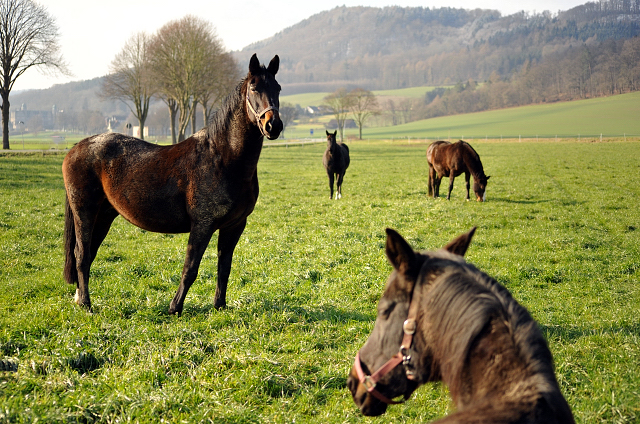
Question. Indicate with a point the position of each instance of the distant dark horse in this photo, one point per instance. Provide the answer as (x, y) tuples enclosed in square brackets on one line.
[(441, 319), (206, 183), (336, 161), (450, 160)]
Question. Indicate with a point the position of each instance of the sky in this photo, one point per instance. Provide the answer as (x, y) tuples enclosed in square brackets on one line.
[(91, 32)]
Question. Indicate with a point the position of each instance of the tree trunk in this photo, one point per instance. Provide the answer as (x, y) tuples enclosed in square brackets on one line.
[(5, 121), (193, 117), (172, 118)]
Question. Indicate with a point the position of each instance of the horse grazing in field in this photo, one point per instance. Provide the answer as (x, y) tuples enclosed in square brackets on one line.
[(336, 161), (441, 319), (207, 182), (450, 160)]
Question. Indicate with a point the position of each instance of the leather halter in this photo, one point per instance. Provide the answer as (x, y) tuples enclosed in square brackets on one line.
[(261, 114), (402, 357)]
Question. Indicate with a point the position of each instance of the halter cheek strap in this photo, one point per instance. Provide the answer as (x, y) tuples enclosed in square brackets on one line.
[(259, 115)]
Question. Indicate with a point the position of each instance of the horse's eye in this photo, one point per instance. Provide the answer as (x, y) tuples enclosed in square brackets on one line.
[(253, 88), (387, 308)]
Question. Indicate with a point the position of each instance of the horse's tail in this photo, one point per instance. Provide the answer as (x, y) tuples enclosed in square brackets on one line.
[(70, 272)]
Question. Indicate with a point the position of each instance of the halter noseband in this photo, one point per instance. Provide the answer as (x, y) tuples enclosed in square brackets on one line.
[(261, 114), (402, 357)]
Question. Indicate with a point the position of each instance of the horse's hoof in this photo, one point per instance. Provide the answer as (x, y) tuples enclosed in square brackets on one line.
[(81, 301), (220, 305)]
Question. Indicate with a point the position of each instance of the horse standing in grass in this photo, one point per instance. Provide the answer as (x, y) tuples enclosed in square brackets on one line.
[(336, 161), (441, 319), (207, 182), (450, 160)]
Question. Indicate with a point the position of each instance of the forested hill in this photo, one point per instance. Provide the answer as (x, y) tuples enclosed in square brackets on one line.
[(394, 47)]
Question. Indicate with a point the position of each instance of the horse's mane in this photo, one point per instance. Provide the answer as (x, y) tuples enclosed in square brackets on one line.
[(221, 117), (462, 304), (476, 161)]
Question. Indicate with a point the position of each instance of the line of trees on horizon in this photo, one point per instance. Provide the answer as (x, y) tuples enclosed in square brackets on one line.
[(183, 64)]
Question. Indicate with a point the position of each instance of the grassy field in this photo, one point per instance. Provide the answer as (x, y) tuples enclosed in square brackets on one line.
[(587, 119), (560, 230)]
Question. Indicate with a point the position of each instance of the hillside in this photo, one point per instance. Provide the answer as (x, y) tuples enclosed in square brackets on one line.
[(395, 47), (399, 47)]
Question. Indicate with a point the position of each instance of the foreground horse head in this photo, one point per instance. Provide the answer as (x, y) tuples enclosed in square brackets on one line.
[(450, 160), (263, 97), (204, 184), (441, 318)]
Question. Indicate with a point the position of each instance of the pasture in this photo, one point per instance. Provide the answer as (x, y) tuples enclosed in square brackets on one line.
[(559, 230)]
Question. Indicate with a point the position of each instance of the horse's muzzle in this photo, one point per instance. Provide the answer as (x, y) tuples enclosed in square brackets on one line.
[(368, 405), (270, 124)]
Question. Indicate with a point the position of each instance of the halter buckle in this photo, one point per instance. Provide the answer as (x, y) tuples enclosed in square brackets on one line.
[(409, 326), (369, 383)]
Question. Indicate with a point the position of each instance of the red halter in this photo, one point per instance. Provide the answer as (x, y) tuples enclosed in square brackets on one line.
[(370, 381)]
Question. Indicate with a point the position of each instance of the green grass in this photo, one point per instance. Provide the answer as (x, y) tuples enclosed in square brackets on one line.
[(560, 230), (584, 119), (615, 115)]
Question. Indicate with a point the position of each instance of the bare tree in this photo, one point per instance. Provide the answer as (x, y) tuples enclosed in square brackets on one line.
[(288, 113), (364, 104), (182, 54), (222, 76), (130, 80), (339, 103), (28, 38)]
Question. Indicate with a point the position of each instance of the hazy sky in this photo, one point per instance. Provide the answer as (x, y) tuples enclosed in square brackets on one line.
[(93, 32)]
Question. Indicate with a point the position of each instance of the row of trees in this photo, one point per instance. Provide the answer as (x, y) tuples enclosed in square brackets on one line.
[(183, 64), (358, 103), (612, 67)]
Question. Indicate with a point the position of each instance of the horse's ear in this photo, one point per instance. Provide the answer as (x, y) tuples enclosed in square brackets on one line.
[(254, 65), (460, 244), (328, 133), (335, 133), (400, 254), (488, 176), (274, 65)]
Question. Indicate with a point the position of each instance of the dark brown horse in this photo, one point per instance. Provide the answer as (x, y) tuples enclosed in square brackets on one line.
[(336, 161), (450, 160), (207, 182), (441, 319)]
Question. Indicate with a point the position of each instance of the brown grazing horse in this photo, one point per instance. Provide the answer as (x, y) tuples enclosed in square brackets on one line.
[(450, 160), (441, 319), (207, 182), (336, 161)]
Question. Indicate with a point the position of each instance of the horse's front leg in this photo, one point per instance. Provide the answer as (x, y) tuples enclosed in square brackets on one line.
[(451, 178), (227, 241), (198, 242), (330, 174), (466, 178), (339, 186)]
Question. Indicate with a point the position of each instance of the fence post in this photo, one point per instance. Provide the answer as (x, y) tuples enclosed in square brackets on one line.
[(600, 137)]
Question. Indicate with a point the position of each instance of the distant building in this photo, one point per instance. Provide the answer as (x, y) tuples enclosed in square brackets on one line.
[(22, 118)]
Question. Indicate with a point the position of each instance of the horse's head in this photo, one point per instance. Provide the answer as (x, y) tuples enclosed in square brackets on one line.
[(263, 97), (331, 137), (480, 187), (397, 357)]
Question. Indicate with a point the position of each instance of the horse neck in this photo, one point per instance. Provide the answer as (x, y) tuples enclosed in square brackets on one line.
[(472, 162), (233, 133)]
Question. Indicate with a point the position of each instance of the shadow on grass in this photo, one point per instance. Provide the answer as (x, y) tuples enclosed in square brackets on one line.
[(305, 313)]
